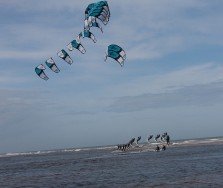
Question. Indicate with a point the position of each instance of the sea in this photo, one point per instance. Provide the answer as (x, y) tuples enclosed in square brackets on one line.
[(185, 163)]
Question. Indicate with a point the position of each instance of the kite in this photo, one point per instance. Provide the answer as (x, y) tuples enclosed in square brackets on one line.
[(117, 53), (88, 34), (40, 72), (76, 45), (96, 11), (52, 65), (65, 56)]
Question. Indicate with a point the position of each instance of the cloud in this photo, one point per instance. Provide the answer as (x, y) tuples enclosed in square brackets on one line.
[(162, 82), (155, 29), (160, 27), (197, 95)]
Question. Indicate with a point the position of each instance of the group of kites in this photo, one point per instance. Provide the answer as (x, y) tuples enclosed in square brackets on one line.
[(94, 13), (164, 139)]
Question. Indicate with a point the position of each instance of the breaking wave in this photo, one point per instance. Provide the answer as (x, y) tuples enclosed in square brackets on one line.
[(198, 141)]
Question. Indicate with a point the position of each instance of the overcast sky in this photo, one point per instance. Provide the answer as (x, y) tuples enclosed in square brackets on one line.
[(172, 79)]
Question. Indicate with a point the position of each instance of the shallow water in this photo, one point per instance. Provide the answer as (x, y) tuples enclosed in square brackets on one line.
[(184, 164)]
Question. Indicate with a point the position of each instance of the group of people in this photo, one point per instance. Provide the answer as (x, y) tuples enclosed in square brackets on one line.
[(158, 148), (123, 147), (164, 139)]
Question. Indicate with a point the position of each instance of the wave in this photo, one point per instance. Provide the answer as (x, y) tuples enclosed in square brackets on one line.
[(56, 151), (94, 148), (26, 153), (198, 141)]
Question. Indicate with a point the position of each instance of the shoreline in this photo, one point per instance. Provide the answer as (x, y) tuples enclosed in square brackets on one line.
[(142, 147)]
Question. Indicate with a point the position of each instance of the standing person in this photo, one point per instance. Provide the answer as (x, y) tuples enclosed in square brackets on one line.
[(168, 139)]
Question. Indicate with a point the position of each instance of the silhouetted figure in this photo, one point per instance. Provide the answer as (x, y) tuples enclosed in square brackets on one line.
[(150, 137), (157, 148), (164, 148), (168, 139), (132, 141), (138, 139), (157, 136)]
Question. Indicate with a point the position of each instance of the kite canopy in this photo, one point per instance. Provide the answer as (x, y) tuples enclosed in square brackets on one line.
[(52, 65), (40, 72), (88, 34), (65, 56), (117, 53), (97, 11), (89, 7), (74, 44)]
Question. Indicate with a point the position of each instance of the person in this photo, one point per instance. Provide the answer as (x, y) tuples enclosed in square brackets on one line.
[(164, 148), (128, 145), (157, 148), (163, 137), (138, 139), (132, 141), (168, 139), (157, 136), (150, 137)]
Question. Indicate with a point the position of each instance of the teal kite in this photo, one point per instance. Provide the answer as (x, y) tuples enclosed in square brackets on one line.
[(116, 52)]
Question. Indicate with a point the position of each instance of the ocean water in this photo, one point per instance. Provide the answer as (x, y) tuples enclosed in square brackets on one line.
[(188, 163)]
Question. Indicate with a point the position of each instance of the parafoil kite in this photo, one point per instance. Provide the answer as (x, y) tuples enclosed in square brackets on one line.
[(96, 11), (76, 45), (117, 53), (88, 34), (65, 56), (40, 72), (100, 11), (52, 65)]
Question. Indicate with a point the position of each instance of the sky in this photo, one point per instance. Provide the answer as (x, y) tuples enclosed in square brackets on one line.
[(172, 80)]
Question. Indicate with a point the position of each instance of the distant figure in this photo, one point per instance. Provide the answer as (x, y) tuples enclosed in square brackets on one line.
[(132, 141), (164, 148), (121, 147), (157, 136), (124, 147), (163, 137), (157, 148), (150, 137), (128, 145), (138, 139), (168, 139)]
